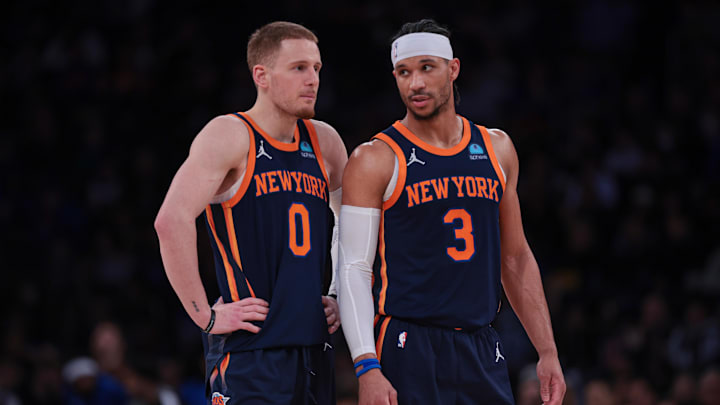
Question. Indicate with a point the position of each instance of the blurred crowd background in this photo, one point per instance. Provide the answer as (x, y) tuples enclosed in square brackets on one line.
[(613, 106)]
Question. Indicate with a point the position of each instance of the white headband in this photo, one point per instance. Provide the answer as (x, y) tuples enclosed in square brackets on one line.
[(420, 43)]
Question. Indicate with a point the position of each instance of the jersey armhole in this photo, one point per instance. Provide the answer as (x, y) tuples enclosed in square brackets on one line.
[(318, 152), (249, 167), (402, 172), (491, 152)]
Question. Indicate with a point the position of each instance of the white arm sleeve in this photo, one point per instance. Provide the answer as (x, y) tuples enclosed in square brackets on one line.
[(335, 201), (358, 244)]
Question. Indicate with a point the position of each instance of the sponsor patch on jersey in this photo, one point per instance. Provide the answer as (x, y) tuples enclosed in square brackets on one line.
[(306, 150), (219, 399), (402, 338), (477, 152)]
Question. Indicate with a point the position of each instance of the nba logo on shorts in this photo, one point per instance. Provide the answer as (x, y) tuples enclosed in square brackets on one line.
[(402, 337), (219, 399)]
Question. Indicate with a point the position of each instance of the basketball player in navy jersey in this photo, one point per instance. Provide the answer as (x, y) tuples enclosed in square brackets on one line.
[(264, 179), (430, 231)]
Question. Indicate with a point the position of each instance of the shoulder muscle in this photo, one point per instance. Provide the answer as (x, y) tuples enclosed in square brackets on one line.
[(333, 151), (367, 174)]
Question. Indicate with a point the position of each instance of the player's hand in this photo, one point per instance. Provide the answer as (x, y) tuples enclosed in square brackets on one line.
[(332, 313), (375, 389), (237, 315), (552, 381)]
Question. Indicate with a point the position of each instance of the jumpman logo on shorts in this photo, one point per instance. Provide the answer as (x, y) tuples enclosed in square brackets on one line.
[(498, 356), (261, 151), (414, 159)]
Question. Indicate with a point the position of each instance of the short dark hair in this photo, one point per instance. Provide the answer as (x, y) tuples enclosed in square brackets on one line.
[(427, 25), (424, 25), (265, 41)]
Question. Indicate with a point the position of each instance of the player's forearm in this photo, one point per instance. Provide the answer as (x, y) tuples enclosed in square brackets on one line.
[(356, 310), (335, 202), (358, 244), (523, 287), (179, 255)]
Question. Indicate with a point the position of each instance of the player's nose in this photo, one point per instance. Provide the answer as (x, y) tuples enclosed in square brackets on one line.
[(416, 81), (313, 78)]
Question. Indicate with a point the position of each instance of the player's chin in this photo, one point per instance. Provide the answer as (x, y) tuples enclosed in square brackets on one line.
[(423, 114), (306, 112)]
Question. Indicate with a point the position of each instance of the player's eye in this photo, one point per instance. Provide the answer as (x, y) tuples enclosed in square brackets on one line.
[(427, 67)]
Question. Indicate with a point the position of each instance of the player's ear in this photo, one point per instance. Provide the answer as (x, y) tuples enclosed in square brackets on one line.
[(260, 76), (454, 66)]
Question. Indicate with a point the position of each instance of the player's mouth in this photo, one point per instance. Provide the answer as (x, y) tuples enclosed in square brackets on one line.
[(308, 97), (420, 101)]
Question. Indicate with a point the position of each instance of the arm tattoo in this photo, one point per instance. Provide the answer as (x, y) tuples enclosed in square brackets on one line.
[(196, 307)]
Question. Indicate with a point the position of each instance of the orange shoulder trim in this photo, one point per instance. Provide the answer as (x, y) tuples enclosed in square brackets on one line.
[(491, 153)]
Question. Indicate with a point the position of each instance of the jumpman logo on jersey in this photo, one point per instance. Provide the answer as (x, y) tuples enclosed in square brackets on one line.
[(498, 356), (414, 159), (261, 151)]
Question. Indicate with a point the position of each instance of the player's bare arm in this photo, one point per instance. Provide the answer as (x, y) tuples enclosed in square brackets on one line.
[(367, 174), (366, 177), (335, 158), (521, 276), (216, 161), (333, 151)]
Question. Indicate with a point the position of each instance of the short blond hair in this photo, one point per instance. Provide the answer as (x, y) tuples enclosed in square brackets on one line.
[(265, 41)]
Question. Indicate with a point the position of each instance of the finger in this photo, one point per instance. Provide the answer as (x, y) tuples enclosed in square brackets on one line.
[(255, 308), (393, 397), (253, 316), (218, 302), (544, 390), (249, 327), (331, 319), (334, 327), (251, 301), (328, 311), (557, 393)]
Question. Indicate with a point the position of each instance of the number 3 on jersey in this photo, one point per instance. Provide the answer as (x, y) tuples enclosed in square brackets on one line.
[(299, 212), (462, 232)]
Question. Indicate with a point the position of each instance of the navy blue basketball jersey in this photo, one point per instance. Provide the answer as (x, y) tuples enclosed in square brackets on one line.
[(271, 239), (438, 260)]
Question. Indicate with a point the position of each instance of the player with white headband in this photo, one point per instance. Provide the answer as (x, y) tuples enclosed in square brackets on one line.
[(427, 204)]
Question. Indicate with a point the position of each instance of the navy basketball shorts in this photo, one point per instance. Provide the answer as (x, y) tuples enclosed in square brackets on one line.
[(430, 365), (291, 375)]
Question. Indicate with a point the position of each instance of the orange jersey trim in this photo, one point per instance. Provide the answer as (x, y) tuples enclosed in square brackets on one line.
[(402, 170), (491, 153), (249, 168), (383, 267), (228, 269), (381, 337), (234, 248), (318, 152), (434, 149), (213, 376), (224, 366), (284, 146)]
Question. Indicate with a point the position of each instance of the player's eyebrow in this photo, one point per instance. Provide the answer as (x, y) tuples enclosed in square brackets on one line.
[(307, 61), (424, 60)]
